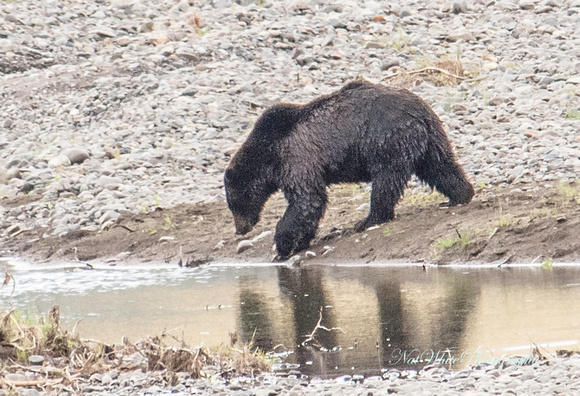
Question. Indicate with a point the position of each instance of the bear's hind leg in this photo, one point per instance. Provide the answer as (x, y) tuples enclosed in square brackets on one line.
[(387, 190), (447, 177)]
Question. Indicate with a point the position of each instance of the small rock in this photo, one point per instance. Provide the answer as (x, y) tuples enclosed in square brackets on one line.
[(526, 4), (262, 236), (96, 377), (153, 390), (405, 12), (76, 155), (16, 377), (244, 245), (59, 161), (147, 27), (337, 24), (189, 91), (109, 182), (36, 359), (106, 380), (109, 215), (460, 34), (459, 8), (104, 32), (219, 245), (12, 173), (28, 392), (545, 81), (294, 261), (387, 64), (3, 175)]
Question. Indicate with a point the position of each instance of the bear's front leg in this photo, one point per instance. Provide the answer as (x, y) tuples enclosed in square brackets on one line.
[(298, 225), (385, 194)]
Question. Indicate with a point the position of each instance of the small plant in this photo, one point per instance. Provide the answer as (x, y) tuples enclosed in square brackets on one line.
[(573, 114), (168, 223), (485, 98), (387, 231), (548, 264), (422, 199), (144, 207), (504, 220), (112, 152), (569, 191), (399, 40), (461, 239), (201, 31), (447, 242), (74, 357)]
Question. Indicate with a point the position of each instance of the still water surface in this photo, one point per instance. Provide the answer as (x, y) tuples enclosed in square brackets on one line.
[(389, 316)]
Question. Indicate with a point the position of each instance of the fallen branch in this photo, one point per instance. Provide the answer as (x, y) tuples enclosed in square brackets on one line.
[(31, 383), (435, 69), (310, 337)]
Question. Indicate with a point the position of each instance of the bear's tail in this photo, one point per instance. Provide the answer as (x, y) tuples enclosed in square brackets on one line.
[(440, 169)]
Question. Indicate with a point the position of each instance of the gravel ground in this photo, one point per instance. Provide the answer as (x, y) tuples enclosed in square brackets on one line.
[(123, 106), (110, 107), (559, 377)]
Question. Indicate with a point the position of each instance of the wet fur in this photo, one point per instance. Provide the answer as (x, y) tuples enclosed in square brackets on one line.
[(361, 133)]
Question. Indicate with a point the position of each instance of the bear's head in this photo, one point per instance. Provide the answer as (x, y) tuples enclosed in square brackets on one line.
[(251, 176), (247, 190)]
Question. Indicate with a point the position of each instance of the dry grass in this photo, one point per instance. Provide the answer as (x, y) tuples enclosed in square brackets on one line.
[(443, 72), (67, 356)]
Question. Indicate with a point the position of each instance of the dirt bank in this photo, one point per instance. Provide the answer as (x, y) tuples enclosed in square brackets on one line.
[(511, 224)]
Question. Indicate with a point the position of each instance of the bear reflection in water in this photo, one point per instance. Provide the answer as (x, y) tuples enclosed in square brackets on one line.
[(362, 133)]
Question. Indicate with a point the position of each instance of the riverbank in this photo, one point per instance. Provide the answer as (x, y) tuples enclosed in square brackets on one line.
[(502, 225)]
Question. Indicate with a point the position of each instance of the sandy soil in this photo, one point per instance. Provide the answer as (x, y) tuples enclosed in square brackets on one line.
[(516, 224)]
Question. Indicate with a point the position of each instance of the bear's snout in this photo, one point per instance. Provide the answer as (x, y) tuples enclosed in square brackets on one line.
[(242, 225)]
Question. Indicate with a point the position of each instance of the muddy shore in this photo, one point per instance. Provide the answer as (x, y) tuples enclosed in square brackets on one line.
[(501, 225)]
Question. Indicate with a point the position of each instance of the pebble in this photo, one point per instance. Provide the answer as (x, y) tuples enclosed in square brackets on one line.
[(36, 359), (76, 156), (244, 245)]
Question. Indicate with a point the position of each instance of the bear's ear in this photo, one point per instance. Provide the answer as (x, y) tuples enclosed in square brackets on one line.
[(277, 122)]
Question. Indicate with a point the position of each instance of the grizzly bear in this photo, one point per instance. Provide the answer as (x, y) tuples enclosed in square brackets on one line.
[(362, 133)]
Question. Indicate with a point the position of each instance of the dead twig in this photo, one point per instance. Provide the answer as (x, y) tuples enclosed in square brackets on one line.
[(43, 382), (7, 278), (432, 69), (125, 227), (310, 337)]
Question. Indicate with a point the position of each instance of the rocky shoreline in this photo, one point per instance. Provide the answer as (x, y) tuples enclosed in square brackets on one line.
[(556, 376), (124, 106)]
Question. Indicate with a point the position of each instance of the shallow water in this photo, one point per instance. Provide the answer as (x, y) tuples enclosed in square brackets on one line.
[(384, 316)]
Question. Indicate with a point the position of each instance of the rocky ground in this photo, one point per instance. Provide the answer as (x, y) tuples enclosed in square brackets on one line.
[(559, 376), (119, 117)]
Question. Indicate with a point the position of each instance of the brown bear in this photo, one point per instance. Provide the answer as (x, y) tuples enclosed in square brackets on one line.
[(362, 133)]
